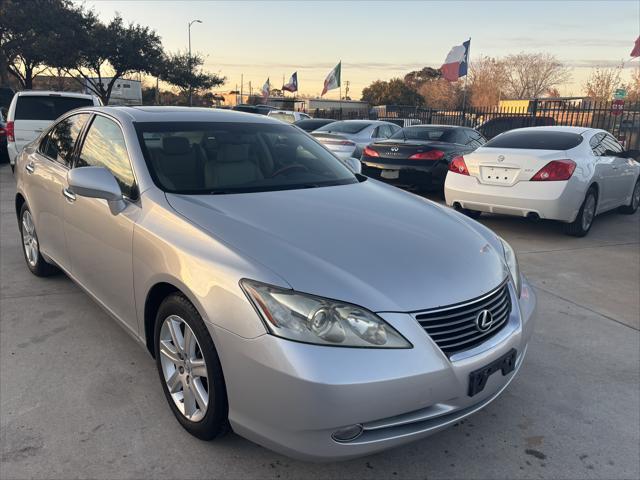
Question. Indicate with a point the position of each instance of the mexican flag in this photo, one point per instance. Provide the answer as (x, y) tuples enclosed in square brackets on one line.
[(333, 79)]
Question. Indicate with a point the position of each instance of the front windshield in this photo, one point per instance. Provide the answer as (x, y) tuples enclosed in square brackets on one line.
[(422, 133), (216, 158), (346, 126)]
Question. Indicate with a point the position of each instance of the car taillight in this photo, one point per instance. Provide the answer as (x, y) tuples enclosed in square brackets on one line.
[(555, 170), (370, 152), (430, 155), (10, 132), (457, 165)]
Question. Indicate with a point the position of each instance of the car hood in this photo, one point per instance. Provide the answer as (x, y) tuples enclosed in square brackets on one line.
[(368, 243)]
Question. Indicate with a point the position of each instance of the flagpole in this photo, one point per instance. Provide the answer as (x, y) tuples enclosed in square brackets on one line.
[(464, 96)]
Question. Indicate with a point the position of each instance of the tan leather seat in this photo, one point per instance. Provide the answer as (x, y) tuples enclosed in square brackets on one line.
[(232, 167), (180, 162)]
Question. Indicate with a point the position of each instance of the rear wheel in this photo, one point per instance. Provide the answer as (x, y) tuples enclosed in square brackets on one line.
[(582, 224), (190, 369), (632, 207), (31, 246)]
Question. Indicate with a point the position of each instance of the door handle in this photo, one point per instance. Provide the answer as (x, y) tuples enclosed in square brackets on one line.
[(69, 195), (29, 167)]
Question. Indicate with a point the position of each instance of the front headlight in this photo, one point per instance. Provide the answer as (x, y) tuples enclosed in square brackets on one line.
[(512, 264), (311, 319)]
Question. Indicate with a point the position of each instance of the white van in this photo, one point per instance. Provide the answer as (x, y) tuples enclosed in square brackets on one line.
[(32, 111)]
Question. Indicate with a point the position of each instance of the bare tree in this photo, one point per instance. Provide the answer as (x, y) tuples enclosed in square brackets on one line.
[(530, 75), (602, 83), (487, 80), (633, 87)]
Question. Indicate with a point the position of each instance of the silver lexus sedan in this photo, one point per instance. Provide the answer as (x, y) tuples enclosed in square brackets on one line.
[(312, 310)]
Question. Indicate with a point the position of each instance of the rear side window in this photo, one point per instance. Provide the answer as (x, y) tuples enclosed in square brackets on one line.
[(351, 126), (31, 107), (611, 144), (59, 142), (536, 140), (284, 116), (104, 146)]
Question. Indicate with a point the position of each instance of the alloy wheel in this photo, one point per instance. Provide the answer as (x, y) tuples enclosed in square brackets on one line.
[(184, 368), (29, 238), (588, 212)]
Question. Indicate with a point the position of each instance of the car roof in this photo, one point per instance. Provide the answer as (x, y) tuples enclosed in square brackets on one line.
[(182, 114), (52, 93)]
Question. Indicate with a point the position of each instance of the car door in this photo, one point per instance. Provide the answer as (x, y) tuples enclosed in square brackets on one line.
[(45, 180), (604, 172), (623, 174), (100, 243)]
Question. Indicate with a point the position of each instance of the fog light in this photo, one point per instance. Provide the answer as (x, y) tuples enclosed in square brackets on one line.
[(347, 434)]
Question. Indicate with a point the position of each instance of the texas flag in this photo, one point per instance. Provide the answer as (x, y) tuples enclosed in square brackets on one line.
[(636, 48), (455, 65), (292, 86)]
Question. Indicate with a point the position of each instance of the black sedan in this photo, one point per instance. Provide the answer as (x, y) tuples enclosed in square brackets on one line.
[(418, 157)]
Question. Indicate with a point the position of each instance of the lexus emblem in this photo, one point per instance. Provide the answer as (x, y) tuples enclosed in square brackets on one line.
[(394, 149), (484, 320), (501, 158)]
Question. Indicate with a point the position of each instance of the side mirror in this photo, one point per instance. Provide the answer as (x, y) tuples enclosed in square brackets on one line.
[(97, 182), (354, 164)]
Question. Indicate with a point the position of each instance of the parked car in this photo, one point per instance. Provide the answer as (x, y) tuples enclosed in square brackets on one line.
[(311, 124), (260, 109), (288, 116), (498, 125), (280, 294), (418, 157), (31, 111), (4, 155), (6, 94), (570, 174), (347, 138)]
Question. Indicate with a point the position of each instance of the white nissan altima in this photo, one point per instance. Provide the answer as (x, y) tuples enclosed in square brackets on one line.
[(570, 174)]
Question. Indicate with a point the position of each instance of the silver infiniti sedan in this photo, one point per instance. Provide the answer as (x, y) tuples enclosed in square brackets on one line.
[(312, 310), (347, 138)]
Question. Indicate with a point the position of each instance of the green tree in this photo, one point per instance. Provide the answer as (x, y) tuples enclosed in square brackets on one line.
[(112, 51), (37, 34), (418, 78), (185, 72), (393, 92)]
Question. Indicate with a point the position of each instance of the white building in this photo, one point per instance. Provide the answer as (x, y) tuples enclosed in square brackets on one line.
[(124, 92)]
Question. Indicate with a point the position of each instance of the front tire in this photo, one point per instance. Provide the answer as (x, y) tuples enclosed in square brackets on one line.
[(632, 207), (31, 246), (584, 220), (190, 370)]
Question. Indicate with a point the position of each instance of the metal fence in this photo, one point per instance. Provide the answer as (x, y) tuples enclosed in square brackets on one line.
[(623, 123)]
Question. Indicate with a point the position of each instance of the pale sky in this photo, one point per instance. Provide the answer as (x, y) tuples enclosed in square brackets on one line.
[(382, 39)]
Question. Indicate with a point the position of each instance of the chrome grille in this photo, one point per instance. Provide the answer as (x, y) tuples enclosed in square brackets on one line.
[(455, 329)]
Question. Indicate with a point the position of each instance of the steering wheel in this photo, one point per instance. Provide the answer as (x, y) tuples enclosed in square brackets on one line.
[(293, 166)]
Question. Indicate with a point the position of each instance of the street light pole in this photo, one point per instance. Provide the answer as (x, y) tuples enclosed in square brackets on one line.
[(190, 66)]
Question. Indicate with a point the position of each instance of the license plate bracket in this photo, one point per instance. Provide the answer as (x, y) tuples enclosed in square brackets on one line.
[(478, 378)]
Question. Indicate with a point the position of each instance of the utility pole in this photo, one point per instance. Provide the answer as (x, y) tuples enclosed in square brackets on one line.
[(346, 90), (190, 63), (241, 89)]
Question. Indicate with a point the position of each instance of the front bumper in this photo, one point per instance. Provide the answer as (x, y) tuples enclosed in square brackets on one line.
[(549, 200), (427, 174), (291, 397)]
